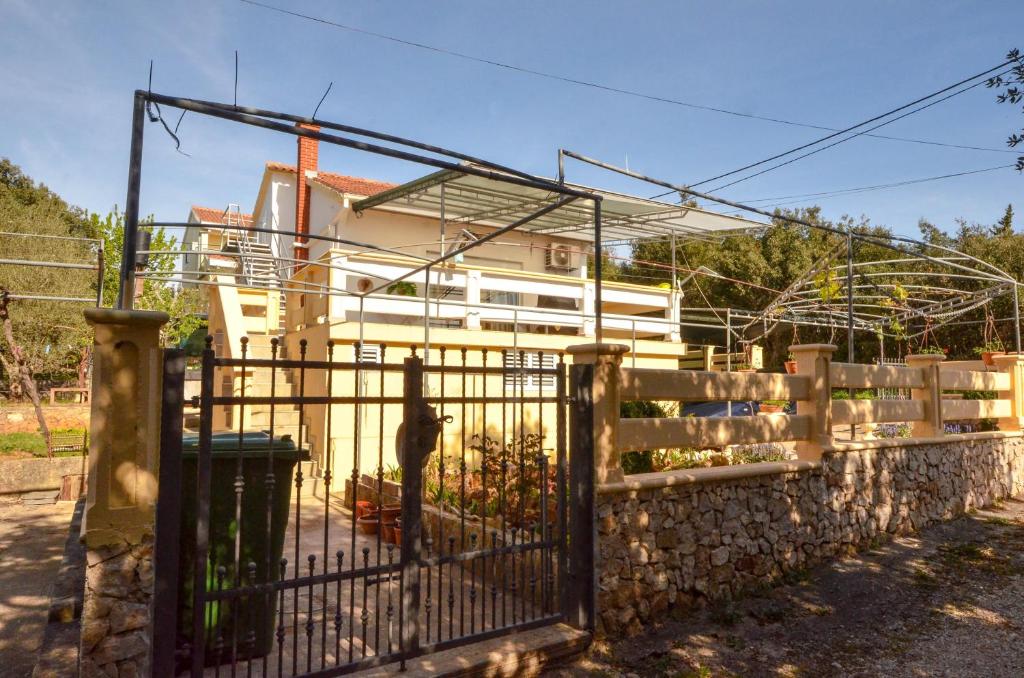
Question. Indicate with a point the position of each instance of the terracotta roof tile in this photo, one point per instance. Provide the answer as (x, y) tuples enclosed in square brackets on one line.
[(340, 182), (213, 215)]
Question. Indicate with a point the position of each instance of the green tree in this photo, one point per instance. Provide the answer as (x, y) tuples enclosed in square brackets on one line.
[(41, 338), (1005, 225), (1011, 91), (184, 306)]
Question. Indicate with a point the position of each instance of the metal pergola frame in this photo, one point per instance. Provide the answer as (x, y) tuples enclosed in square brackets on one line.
[(469, 190), (795, 307), (451, 161)]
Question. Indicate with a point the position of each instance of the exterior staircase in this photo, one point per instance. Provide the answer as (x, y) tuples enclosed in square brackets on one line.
[(286, 417)]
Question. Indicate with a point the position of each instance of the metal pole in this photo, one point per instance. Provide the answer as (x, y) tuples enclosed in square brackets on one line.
[(674, 281), (426, 318), (728, 353), (126, 293), (100, 272), (632, 350), (442, 220), (168, 512), (849, 296), (597, 269), (849, 312), (1016, 319)]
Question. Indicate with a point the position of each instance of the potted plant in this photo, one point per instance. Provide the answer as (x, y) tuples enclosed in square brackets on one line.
[(790, 364), (772, 406), (989, 351), (931, 350)]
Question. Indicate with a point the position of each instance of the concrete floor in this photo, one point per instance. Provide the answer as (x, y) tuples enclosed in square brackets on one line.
[(31, 546), (308, 614)]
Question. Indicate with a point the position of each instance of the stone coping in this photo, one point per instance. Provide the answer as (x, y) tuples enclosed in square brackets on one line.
[(883, 443), (112, 316), (654, 481)]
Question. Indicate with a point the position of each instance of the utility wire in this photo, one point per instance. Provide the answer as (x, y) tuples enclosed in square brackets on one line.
[(597, 85), (838, 141), (847, 130), (802, 197)]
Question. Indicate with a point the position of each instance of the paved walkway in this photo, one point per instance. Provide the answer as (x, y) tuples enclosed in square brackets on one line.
[(31, 545), (946, 602), (324, 625)]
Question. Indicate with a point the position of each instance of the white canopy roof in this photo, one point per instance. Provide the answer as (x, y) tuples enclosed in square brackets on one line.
[(470, 199)]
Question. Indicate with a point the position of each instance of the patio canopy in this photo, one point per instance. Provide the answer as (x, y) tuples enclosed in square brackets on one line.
[(469, 199)]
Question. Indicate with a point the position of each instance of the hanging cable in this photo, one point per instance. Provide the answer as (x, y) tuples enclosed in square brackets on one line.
[(850, 129), (595, 85)]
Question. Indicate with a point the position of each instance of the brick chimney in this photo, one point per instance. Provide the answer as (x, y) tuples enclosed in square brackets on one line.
[(307, 165)]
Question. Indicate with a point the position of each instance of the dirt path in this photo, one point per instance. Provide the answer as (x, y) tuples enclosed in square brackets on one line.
[(946, 602), (31, 545)]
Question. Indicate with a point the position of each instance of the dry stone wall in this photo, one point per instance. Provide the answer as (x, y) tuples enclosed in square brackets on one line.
[(663, 550), (116, 616)]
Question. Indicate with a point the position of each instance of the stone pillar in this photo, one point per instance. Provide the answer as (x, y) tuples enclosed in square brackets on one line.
[(930, 394), (119, 519), (815, 361), (472, 300), (1013, 364), (607, 360)]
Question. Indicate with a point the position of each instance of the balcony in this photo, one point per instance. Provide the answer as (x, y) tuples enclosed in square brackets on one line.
[(457, 296)]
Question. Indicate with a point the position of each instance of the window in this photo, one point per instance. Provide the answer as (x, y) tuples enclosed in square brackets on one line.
[(531, 361), (368, 353)]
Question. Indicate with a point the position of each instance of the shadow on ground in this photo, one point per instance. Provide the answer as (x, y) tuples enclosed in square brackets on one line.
[(948, 601), (31, 546)]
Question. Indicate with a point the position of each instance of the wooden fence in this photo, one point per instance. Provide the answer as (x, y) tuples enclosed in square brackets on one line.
[(935, 397)]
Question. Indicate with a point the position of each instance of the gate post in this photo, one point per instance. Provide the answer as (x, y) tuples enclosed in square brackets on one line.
[(166, 563), (579, 590), (119, 518)]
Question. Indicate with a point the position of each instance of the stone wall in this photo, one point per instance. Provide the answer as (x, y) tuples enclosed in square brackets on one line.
[(116, 617), (21, 417), (667, 544)]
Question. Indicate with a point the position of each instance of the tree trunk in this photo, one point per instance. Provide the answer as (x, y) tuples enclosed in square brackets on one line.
[(11, 375), (83, 367), (23, 371)]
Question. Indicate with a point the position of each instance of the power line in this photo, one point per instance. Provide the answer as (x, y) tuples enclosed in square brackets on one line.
[(876, 187), (597, 85), (849, 129), (838, 141)]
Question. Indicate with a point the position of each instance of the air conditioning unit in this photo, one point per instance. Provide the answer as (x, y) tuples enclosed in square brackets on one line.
[(558, 258)]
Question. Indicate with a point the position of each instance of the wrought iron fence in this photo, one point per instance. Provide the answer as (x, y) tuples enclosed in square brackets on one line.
[(344, 513)]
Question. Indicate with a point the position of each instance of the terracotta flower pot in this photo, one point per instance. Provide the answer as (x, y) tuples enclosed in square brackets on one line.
[(390, 511), (368, 524), (365, 508), (987, 357), (790, 366), (389, 532)]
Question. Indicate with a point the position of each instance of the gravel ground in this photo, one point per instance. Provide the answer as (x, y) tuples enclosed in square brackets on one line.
[(31, 547), (948, 601)]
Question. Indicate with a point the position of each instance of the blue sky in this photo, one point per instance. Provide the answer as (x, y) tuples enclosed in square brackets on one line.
[(69, 70)]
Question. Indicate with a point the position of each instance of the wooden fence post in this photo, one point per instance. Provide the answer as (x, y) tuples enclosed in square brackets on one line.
[(1013, 364), (815, 361), (930, 394)]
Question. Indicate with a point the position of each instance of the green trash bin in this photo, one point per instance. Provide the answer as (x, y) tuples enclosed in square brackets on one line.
[(249, 620)]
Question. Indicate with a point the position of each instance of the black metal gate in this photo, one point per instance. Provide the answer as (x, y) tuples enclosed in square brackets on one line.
[(291, 567)]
